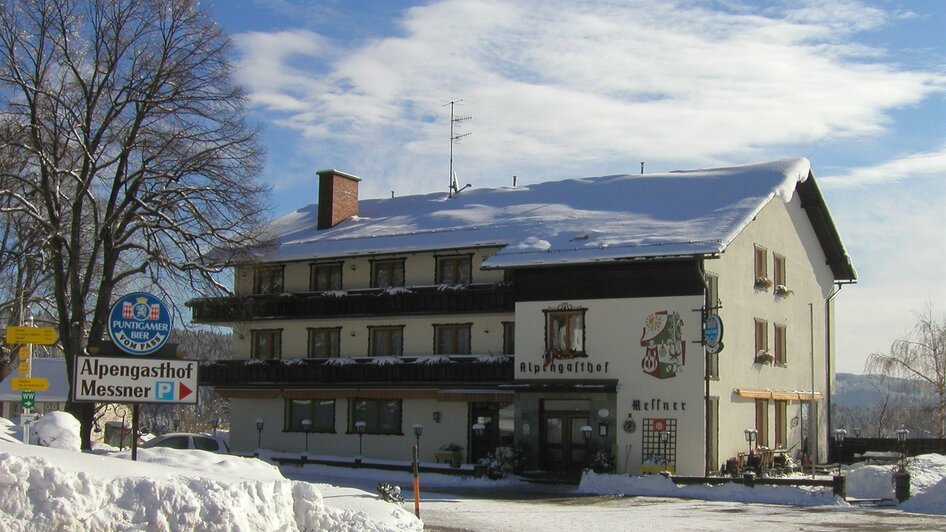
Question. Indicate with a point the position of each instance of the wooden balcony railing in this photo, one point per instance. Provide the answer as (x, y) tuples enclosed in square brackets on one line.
[(415, 300), (408, 370)]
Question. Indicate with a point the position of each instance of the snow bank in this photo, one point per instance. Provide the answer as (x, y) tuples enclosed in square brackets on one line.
[(56, 429), (660, 486), (49, 489)]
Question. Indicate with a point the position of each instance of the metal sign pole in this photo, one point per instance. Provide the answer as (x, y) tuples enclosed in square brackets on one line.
[(134, 432)]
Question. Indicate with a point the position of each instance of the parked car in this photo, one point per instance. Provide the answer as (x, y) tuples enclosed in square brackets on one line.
[(184, 440)]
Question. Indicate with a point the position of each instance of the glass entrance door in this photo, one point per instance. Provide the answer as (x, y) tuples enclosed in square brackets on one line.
[(563, 445)]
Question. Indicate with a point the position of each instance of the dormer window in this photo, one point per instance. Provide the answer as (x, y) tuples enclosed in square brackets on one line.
[(268, 280), (454, 270), (387, 273)]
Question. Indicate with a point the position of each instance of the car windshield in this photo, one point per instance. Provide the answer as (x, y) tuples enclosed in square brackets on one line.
[(174, 442)]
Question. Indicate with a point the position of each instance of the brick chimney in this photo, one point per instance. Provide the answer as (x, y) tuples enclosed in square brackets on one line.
[(338, 197)]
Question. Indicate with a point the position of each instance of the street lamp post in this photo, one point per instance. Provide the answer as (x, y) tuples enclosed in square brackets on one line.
[(901, 479), (259, 434), (902, 436), (306, 426), (215, 421), (664, 442), (751, 435), (418, 430), (360, 427), (839, 436), (586, 433)]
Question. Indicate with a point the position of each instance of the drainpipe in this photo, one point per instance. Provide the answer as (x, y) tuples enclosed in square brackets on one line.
[(827, 354), (706, 369)]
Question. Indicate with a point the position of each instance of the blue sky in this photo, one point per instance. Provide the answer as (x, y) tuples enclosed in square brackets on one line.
[(571, 88)]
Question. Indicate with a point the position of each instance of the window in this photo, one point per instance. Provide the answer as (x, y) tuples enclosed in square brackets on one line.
[(386, 341), (387, 273), (761, 336), (565, 333), (323, 277), (268, 280), (779, 344), (453, 339), (324, 342), (267, 344), (321, 412), (381, 416), (761, 264), (762, 422), (454, 270), (778, 270), (781, 423), (509, 337)]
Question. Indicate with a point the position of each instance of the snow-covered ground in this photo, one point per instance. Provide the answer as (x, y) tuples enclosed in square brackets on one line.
[(49, 488)]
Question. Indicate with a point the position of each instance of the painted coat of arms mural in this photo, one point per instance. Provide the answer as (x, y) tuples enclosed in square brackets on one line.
[(665, 349)]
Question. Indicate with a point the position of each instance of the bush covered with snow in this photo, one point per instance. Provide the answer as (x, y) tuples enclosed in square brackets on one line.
[(56, 429)]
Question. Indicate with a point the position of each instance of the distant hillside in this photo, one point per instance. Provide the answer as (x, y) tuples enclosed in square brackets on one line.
[(864, 390)]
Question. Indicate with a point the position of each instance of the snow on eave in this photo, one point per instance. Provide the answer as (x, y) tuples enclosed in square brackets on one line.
[(795, 173)]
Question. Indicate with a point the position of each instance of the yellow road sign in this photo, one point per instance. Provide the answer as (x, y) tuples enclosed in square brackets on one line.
[(23, 369), (35, 384), (24, 353), (32, 335)]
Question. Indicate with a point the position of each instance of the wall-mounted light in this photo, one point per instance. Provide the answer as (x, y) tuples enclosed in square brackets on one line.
[(353, 334), (479, 429), (437, 416)]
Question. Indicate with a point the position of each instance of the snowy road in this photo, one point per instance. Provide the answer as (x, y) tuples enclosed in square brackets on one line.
[(444, 514)]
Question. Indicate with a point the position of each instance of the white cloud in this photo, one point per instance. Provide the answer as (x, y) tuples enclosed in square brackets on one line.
[(551, 85), (915, 165)]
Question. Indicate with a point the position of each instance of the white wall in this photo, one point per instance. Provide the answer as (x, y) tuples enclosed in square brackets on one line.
[(614, 330), (453, 428), (784, 229)]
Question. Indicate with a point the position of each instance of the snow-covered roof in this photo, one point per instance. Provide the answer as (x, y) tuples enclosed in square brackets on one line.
[(53, 369), (572, 221)]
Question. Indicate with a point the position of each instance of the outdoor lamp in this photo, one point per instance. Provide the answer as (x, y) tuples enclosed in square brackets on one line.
[(857, 432), (418, 430), (586, 432), (259, 432), (750, 437), (306, 426), (437, 416), (360, 427), (839, 435), (479, 429)]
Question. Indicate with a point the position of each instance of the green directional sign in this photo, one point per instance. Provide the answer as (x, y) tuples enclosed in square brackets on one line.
[(27, 399)]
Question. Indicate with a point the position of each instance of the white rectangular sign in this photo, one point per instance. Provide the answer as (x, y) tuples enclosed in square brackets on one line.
[(135, 380)]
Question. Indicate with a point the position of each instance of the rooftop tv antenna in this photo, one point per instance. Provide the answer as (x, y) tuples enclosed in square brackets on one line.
[(454, 186)]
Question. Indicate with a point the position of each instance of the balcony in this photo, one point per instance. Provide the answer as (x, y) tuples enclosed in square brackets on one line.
[(373, 302), (466, 369)]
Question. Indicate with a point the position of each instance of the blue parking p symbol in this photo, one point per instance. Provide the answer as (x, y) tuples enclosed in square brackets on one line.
[(164, 390)]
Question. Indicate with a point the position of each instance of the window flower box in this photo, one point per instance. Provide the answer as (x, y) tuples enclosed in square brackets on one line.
[(783, 291), (764, 357), (763, 283)]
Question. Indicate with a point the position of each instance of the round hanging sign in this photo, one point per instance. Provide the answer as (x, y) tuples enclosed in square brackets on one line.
[(139, 323), (713, 333)]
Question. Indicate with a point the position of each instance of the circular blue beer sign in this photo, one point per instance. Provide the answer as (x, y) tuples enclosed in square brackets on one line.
[(713, 333), (139, 323)]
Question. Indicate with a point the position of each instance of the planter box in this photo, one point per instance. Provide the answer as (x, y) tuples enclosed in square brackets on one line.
[(452, 457)]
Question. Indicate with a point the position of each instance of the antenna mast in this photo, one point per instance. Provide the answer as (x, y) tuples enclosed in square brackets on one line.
[(454, 185)]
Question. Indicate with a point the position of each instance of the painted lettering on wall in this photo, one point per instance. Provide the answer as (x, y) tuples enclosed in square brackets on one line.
[(562, 368), (657, 405), (664, 347)]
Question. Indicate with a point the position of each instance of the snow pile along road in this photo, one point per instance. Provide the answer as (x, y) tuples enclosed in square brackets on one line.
[(50, 489)]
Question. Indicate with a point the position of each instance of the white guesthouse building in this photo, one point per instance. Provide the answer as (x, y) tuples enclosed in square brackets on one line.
[(540, 310)]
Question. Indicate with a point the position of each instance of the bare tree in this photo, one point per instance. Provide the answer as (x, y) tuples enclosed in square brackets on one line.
[(138, 158), (920, 356)]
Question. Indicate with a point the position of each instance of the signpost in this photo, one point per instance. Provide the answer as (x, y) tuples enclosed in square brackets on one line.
[(27, 399), (135, 380), (139, 324), (29, 384), (32, 335)]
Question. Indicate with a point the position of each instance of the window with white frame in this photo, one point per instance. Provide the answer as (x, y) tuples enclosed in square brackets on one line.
[(565, 333)]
